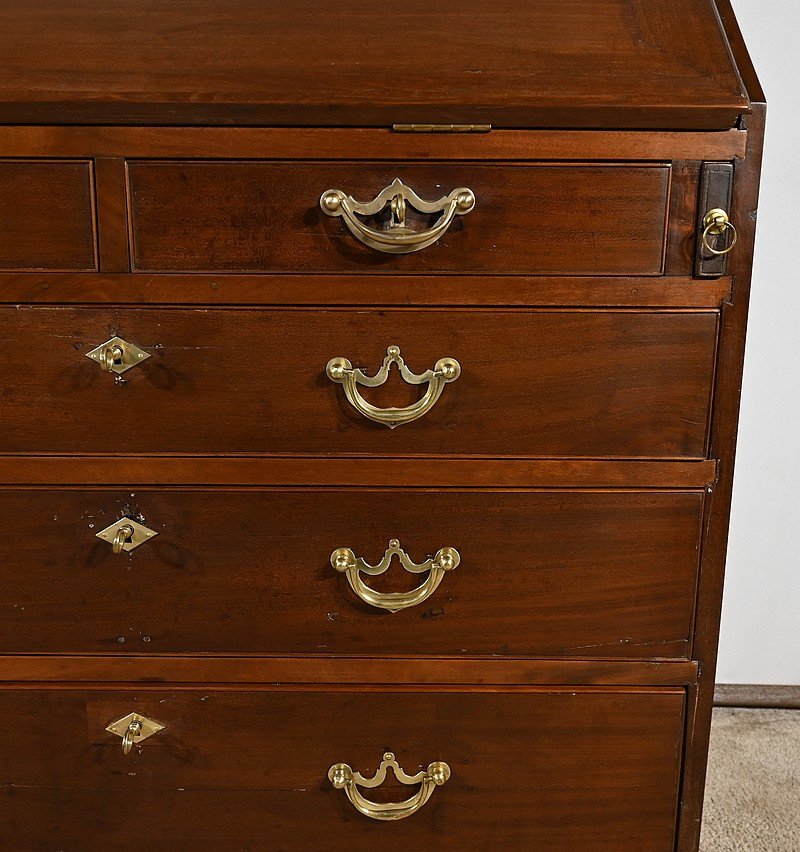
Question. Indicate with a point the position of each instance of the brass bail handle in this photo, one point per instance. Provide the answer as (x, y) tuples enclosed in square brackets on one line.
[(397, 238), (134, 729), (343, 777), (123, 535), (341, 371), (716, 222)]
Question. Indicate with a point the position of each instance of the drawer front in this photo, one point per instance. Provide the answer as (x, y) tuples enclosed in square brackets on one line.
[(265, 217), (539, 573), (550, 770), (46, 216), (533, 383)]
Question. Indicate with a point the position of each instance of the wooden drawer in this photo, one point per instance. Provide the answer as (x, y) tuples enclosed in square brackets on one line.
[(541, 573), (575, 383), (595, 219), (46, 215), (545, 769)]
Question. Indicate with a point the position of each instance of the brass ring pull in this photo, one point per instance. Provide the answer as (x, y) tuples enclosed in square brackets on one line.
[(346, 562), (344, 778), (716, 222), (133, 731), (122, 536), (110, 356), (341, 371), (397, 238)]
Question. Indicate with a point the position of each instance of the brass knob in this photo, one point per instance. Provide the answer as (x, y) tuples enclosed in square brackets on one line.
[(123, 535), (134, 729), (716, 222)]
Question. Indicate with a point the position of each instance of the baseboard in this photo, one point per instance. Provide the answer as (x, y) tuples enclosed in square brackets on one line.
[(757, 695)]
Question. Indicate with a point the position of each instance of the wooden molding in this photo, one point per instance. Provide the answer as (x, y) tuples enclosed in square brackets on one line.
[(786, 697)]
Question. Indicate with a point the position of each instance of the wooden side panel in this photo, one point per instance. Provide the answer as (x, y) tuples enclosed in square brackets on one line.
[(265, 217), (542, 573), (545, 769), (534, 383), (47, 215)]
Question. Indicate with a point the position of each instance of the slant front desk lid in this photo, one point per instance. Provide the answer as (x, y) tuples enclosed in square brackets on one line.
[(508, 63)]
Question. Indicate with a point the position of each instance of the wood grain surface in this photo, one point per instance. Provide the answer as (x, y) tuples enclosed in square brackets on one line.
[(265, 217), (249, 769), (543, 573), (534, 383)]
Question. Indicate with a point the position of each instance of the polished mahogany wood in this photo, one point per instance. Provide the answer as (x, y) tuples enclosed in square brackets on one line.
[(723, 442), (331, 143), (317, 672), (534, 383), (46, 216), (591, 574), (250, 767), (350, 290), (477, 472), (110, 180), (265, 217), (556, 63)]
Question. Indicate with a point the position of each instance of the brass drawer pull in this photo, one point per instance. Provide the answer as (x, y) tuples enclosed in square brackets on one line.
[(716, 223), (397, 238), (134, 729), (341, 371), (126, 535), (344, 778), (345, 561), (117, 355)]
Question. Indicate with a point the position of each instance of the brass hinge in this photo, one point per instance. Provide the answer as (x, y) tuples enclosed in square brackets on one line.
[(441, 128)]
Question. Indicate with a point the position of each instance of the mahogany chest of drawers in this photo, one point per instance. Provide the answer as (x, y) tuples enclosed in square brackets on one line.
[(368, 409)]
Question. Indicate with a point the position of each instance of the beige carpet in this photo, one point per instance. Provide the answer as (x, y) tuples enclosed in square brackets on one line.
[(753, 787)]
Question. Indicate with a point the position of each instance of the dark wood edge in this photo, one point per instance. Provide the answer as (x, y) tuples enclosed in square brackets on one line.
[(717, 508), (356, 472), (179, 669), (757, 695), (110, 190), (358, 290), (371, 143), (741, 55)]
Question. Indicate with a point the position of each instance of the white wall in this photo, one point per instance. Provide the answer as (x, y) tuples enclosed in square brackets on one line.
[(761, 613)]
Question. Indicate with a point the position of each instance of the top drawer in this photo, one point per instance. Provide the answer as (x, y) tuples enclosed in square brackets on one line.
[(208, 216), (46, 211)]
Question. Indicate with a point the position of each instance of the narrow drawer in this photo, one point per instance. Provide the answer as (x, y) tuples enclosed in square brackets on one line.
[(537, 769), (531, 573), (46, 216), (574, 383), (597, 219)]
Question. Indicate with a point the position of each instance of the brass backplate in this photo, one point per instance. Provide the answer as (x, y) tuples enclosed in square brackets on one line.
[(131, 355), (141, 533), (149, 727)]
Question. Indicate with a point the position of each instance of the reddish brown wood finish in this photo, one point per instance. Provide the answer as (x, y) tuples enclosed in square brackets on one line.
[(47, 215), (316, 672), (723, 443), (608, 758), (350, 290), (592, 574), (556, 63), (549, 383), (265, 217), (477, 472), (330, 143)]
